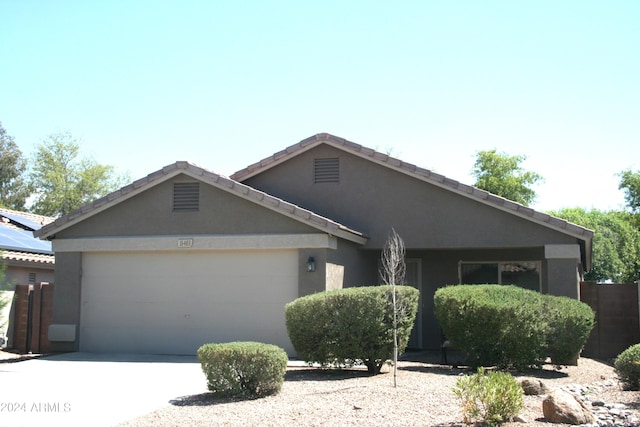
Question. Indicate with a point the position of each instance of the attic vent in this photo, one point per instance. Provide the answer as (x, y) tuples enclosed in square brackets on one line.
[(186, 196), (326, 170)]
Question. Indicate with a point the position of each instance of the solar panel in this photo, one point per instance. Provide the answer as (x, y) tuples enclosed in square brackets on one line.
[(22, 220), (22, 240)]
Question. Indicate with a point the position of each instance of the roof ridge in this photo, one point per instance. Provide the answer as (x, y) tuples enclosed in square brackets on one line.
[(25, 256), (416, 171)]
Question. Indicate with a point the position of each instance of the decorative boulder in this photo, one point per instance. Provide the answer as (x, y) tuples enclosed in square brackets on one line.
[(562, 408), (533, 387)]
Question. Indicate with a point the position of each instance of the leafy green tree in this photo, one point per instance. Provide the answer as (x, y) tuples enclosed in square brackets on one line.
[(616, 243), (630, 184), (64, 183), (14, 191), (501, 174)]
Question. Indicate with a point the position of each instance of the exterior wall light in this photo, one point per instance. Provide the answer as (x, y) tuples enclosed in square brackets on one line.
[(311, 265)]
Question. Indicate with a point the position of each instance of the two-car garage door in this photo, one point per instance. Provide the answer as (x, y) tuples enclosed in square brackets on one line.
[(173, 302)]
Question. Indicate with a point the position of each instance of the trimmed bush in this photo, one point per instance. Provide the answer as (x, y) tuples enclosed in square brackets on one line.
[(351, 326), (509, 326), (627, 366), (492, 397), (569, 324), (249, 369), (492, 324)]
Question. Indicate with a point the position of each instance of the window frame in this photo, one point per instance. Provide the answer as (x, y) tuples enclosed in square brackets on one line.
[(500, 265)]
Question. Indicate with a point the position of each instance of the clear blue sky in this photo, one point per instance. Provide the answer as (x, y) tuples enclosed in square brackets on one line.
[(225, 84)]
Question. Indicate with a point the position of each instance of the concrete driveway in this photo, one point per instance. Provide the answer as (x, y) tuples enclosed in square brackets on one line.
[(76, 389)]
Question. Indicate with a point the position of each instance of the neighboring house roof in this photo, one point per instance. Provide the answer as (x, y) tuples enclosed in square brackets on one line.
[(26, 219), (27, 257), (17, 242), (426, 175), (283, 207)]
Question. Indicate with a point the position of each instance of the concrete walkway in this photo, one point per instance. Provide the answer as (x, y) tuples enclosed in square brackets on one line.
[(81, 389)]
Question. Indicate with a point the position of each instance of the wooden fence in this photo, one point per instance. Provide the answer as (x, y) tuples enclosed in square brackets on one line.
[(617, 318)]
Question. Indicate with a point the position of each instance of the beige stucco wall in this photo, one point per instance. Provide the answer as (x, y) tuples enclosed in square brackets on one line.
[(66, 296)]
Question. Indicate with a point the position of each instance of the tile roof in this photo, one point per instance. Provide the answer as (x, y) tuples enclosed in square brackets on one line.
[(418, 173), (28, 257), (181, 167)]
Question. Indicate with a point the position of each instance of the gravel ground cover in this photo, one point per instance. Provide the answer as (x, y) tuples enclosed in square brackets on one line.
[(423, 397)]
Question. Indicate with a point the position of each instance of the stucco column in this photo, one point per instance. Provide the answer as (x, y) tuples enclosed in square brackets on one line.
[(310, 282), (64, 329), (562, 270)]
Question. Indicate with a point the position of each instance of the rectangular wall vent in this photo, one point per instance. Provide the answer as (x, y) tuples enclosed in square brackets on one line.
[(186, 196), (326, 170)]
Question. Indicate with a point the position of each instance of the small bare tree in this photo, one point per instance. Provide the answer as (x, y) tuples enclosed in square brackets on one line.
[(393, 272)]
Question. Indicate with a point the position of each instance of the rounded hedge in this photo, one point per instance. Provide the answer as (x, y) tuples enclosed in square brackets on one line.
[(627, 366), (493, 325), (509, 326), (351, 326), (243, 368), (569, 324)]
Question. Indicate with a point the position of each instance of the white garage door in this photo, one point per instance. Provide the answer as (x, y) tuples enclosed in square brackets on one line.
[(173, 302)]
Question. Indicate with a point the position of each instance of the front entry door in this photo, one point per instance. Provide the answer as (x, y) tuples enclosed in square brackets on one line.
[(414, 278)]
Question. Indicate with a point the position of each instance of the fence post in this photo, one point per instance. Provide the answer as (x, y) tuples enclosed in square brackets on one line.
[(589, 295), (21, 318), (46, 317)]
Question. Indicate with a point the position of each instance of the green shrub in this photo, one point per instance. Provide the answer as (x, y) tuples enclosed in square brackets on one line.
[(493, 397), (351, 326), (569, 324), (492, 324), (243, 368), (627, 366), (510, 326)]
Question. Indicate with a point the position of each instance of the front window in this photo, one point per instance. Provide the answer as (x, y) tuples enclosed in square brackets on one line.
[(525, 274)]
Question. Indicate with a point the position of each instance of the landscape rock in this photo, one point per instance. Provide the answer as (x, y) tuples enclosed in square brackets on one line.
[(562, 407), (533, 387), (520, 419)]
